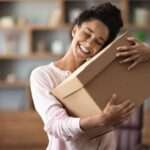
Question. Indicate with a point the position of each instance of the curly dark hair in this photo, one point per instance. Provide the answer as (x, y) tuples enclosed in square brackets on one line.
[(108, 13)]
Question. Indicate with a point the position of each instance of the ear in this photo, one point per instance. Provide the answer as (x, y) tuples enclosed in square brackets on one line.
[(74, 30)]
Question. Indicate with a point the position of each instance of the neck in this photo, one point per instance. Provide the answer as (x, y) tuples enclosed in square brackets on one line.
[(68, 62)]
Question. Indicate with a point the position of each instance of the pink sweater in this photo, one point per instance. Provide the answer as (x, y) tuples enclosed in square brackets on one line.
[(64, 132)]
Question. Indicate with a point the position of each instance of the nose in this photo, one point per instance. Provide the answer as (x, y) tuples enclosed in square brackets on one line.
[(89, 41)]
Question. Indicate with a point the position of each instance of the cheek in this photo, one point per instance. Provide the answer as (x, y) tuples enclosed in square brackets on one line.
[(74, 41), (77, 39), (82, 37), (96, 50)]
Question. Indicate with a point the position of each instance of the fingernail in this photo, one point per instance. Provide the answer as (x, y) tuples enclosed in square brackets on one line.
[(129, 37), (129, 68), (117, 54), (118, 48), (114, 95)]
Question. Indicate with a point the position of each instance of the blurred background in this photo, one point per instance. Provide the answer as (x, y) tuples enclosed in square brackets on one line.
[(36, 32)]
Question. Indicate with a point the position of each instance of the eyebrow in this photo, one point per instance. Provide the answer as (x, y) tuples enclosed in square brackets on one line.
[(102, 39)]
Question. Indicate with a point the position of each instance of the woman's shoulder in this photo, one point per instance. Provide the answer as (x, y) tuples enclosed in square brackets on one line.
[(48, 74), (42, 74), (41, 70)]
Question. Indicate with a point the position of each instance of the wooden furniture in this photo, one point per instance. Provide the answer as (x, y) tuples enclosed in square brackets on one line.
[(21, 131)]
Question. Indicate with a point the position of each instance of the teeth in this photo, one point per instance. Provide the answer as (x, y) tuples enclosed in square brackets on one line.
[(84, 49)]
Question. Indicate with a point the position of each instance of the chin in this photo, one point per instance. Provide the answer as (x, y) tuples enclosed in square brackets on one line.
[(80, 55), (81, 58)]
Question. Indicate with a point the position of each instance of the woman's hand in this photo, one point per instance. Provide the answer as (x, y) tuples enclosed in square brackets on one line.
[(136, 53), (116, 113), (112, 115)]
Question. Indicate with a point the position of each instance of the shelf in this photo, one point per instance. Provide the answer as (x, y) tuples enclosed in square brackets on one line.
[(15, 84), (13, 28), (35, 27), (47, 27), (136, 27), (29, 56), (27, 1)]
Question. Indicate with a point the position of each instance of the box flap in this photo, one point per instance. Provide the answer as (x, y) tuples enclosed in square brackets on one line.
[(87, 71)]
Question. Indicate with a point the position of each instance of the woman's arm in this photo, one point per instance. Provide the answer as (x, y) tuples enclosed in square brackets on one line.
[(55, 118), (112, 115)]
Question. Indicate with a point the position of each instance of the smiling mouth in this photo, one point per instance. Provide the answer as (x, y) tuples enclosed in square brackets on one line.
[(84, 50)]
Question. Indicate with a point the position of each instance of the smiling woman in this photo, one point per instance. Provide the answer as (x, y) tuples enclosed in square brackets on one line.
[(89, 39), (92, 30)]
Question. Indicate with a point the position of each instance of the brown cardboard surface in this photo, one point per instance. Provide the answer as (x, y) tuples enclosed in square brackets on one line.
[(90, 87)]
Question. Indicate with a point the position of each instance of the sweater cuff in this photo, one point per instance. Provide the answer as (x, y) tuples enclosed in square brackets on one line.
[(75, 125)]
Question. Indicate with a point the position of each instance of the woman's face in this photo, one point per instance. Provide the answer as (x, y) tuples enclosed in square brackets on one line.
[(88, 39)]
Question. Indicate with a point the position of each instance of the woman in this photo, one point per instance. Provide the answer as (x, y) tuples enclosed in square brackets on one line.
[(93, 29)]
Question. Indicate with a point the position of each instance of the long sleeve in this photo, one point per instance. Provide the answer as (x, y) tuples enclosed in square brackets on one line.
[(56, 120)]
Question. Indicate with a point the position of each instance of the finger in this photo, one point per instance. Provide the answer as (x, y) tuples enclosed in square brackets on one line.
[(132, 40), (117, 124), (123, 48), (126, 53), (134, 64), (129, 59), (134, 46), (123, 54), (122, 120), (127, 48), (127, 115), (129, 108), (124, 104), (113, 99)]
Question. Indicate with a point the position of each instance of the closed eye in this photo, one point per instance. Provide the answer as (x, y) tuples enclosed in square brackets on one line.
[(87, 33), (99, 42)]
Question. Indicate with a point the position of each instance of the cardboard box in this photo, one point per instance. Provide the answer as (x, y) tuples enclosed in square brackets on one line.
[(87, 90)]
